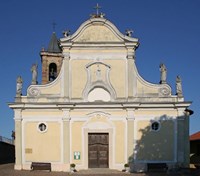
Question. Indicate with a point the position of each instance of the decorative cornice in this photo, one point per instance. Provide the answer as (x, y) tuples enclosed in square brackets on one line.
[(44, 53), (99, 105)]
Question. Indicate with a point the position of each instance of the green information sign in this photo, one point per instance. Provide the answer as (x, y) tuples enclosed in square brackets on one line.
[(77, 155)]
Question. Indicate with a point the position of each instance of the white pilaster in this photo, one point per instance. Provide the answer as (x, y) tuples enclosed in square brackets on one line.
[(18, 139), (66, 139)]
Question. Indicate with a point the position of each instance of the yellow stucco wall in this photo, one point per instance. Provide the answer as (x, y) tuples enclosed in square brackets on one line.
[(87, 112), (119, 141), (42, 147), (52, 88), (118, 70), (79, 76), (40, 113), (155, 145), (143, 89), (97, 33), (156, 113), (55, 89), (77, 133), (130, 137), (76, 139)]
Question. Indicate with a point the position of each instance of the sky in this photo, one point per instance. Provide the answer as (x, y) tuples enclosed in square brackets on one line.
[(168, 31)]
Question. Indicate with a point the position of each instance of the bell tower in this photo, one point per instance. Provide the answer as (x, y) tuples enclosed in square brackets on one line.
[(51, 60)]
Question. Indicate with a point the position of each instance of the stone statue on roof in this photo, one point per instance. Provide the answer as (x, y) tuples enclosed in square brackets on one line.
[(129, 32), (34, 73), (19, 86), (66, 33), (179, 91), (163, 73)]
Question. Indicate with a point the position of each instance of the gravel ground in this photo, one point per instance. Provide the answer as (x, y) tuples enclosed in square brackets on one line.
[(7, 170)]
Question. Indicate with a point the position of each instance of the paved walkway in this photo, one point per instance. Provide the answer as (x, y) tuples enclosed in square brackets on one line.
[(7, 170), (100, 171)]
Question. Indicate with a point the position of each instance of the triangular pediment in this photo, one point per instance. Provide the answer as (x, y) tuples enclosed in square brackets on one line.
[(97, 33), (98, 30)]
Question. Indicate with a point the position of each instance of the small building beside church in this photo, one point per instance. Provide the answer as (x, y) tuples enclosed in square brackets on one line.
[(95, 110), (195, 150)]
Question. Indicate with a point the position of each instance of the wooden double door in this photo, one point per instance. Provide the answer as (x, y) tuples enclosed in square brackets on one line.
[(98, 147)]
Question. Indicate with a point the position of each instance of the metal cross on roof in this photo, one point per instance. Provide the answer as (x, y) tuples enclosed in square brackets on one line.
[(54, 26), (97, 7)]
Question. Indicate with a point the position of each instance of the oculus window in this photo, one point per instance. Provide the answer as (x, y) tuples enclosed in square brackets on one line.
[(42, 127), (155, 126)]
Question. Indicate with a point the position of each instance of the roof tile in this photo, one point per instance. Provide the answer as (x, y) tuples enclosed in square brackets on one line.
[(195, 136)]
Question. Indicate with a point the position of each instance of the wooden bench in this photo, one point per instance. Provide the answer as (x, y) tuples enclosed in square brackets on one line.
[(40, 166), (197, 165), (157, 167)]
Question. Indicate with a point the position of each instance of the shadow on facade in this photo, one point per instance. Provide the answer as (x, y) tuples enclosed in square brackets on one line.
[(155, 143)]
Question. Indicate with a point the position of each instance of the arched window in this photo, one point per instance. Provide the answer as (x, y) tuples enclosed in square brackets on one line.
[(52, 71)]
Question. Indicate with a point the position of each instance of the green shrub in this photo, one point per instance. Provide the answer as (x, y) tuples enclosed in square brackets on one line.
[(72, 165), (126, 165)]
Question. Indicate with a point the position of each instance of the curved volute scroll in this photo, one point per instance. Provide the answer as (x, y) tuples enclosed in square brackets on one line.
[(98, 79), (147, 89), (51, 92)]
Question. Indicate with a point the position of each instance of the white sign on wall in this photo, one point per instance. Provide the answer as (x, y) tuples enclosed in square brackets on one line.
[(77, 155)]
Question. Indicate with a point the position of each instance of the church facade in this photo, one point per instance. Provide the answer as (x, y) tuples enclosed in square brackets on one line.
[(93, 108)]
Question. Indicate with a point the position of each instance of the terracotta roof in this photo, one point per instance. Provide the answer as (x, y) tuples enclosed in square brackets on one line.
[(195, 136)]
